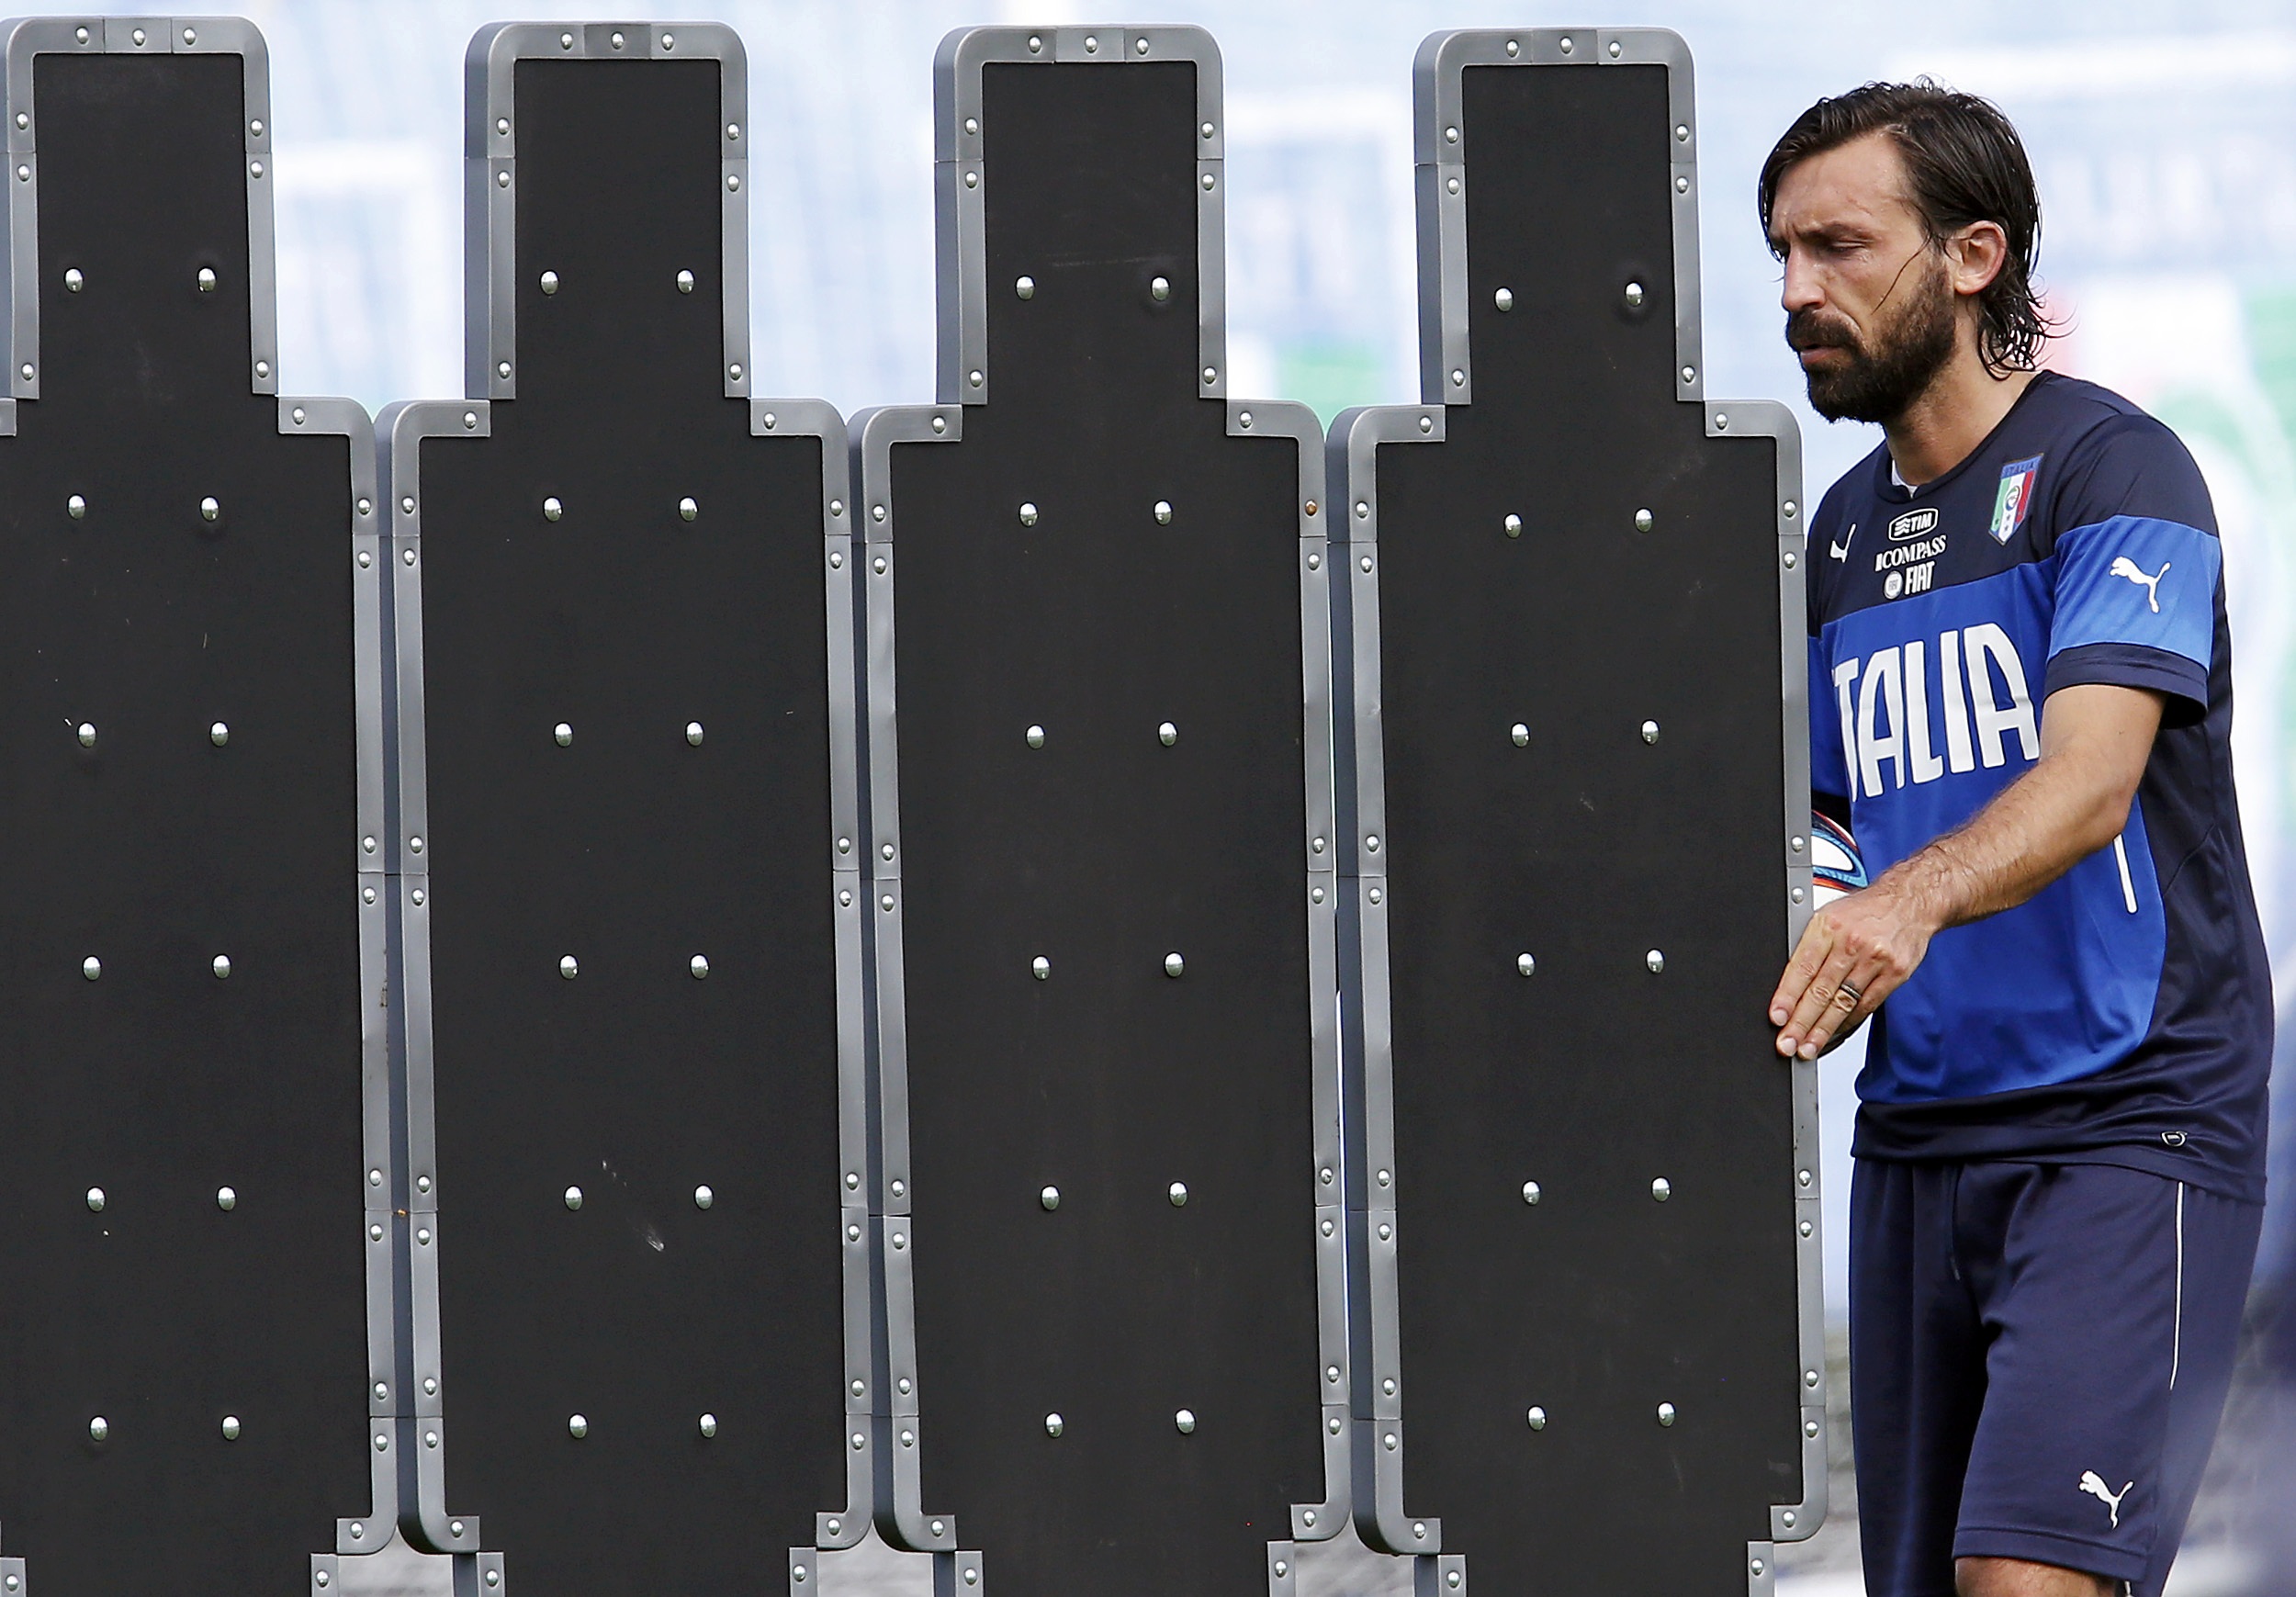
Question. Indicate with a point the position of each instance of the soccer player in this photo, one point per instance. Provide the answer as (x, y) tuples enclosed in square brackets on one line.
[(2020, 703)]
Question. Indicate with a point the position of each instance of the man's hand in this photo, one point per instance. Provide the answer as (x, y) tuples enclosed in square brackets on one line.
[(2095, 739), (1854, 953)]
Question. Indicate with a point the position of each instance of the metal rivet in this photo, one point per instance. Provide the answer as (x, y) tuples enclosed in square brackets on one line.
[(669, 41), (1419, 1530), (502, 124), (709, 1425), (1790, 562), (616, 40), (1387, 1386), (98, 1428), (688, 510), (1426, 423), (1028, 513), (1391, 1441), (694, 732), (1721, 421), (1092, 45), (374, 1234), (503, 368), (1809, 1427), (1521, 734), (569, 968), (972, 1577), (573, 1198), (879, 565), (1139, 45), (406, 505), (219, 734), (1649, 731), (1654, 961), (1160, 288), (852, 1233), (414, 845), (885, 904), (1329, 1227), (1797, 896), (1243, 420), (1681, 186), (297, 414), (72, 279), (1524, 965), (230, 1427), (699, 966), (1174, 965), (1177, 1193), (1666, 1413), (1376, 895), (1807, 1228), (1315, 562), (1315, 895), (1452, 184), (1162, 513), (1167, 734), (1036, 736), (1802, 1177), (972, 124), (549, 282), (1025, 288), (1809, 1378), (1371, 843), (1050, 1198), (1335, 1427), (1212, 374), (420, 898), (206, 279), (1387, 1234), (733, 371), (1531, 1192), (96, 1201), (91, 967), (1614, 49), (564, 733), (373, 1178), (972, 180), (367, 895), (1661, 1189), (1458, 378), (87, 735), (1186, 1421), (903, 1385), (1789, 508), (1681, 132), (852, 1181), (209, 509), (1209, 182), (430, 1439), (1280, 1566), (837, 562), (1690, 374), (576, 1427), (502, 179), (222, 966), (1513, 525), (1054, 1424)]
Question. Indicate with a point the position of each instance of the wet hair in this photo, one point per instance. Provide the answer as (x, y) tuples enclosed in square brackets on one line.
[(1963, 164)]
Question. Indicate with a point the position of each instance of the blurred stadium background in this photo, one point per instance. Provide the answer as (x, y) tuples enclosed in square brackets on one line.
[(2161, 133)]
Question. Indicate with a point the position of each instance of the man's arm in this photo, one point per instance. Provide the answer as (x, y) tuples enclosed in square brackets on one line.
[(1858, 950)]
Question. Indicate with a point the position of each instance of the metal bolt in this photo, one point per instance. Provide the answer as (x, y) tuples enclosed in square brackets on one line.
[(374, 1234), (91, 967), (1028, 514), (709, 1425), (1391, 1441), (573, 1198), (1167, 734), (1186, 1421), (503, 368), (209, 509), (206, 279), (1642, 520), (87, 735), (688, 510), (694, 732), (1174, 965), (1633, 295), (420, 898), (576, 1427), (1387, 1386), (1809, 1378), (230, 1427), (1537, 1418), (569, 968), (549, 282), (1513, 525), (1521, 734), (1531, 1193), (1164, 513), (76, 508), (1041, 968), (1025, 288), (1160, 288), (1666, 1413), (1050, 1197), (703, 1196), (222, 966), (1655, 960), (1809, 1427), (73, 281), (98, 1428), (1524, 965), (1649, 731), (1177, 1193), (96, 1201), (1661, 1189), (219, 734), (1036, 736), (564, 732), (685, 282), (1806, 1229), (226, 1199), (1335, 1426), (699, 966), (1054, 1424)]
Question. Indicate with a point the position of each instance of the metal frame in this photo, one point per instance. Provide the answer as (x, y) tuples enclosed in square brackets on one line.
[(489, 331), (490, 176), (28, 37), (961, 177), (959, 215), (1447, 378)]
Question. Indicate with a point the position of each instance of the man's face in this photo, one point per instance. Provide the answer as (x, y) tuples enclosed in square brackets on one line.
[(1870, 305)]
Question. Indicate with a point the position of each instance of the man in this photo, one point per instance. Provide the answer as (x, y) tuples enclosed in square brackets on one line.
[(2021, 702)]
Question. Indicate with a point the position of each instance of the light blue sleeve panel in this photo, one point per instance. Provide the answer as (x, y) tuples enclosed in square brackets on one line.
[(2136, 606)]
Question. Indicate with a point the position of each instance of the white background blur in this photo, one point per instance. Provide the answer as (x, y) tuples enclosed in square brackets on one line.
[(2162, 134)]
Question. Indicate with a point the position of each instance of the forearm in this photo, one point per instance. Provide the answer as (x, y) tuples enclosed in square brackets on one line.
[(2069, 805)]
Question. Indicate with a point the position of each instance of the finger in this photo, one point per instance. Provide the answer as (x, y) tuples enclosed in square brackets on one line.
[(1810, 1025), (1857, 994), (1809, 954)]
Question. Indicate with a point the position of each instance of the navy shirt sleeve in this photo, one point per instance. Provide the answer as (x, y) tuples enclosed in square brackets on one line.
[(2136, 568)]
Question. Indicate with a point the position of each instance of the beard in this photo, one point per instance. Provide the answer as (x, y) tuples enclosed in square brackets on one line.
[(1883, 377)]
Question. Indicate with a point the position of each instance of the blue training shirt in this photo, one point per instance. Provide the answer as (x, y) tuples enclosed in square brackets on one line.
[(2123, 1014)]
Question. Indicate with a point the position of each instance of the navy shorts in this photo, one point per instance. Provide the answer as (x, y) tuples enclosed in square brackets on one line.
[(2038, 1359)]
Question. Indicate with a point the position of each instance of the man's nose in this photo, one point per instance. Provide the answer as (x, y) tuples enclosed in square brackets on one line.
[(1801, 289)]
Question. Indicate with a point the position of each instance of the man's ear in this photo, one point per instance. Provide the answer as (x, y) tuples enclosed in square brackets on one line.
[(1974, 256)]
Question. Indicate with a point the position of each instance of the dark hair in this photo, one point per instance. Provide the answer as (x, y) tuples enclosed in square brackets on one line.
[(1963, 164)]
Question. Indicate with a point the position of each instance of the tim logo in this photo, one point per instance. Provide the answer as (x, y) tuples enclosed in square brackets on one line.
[(1913, 524), (2015, 499)]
